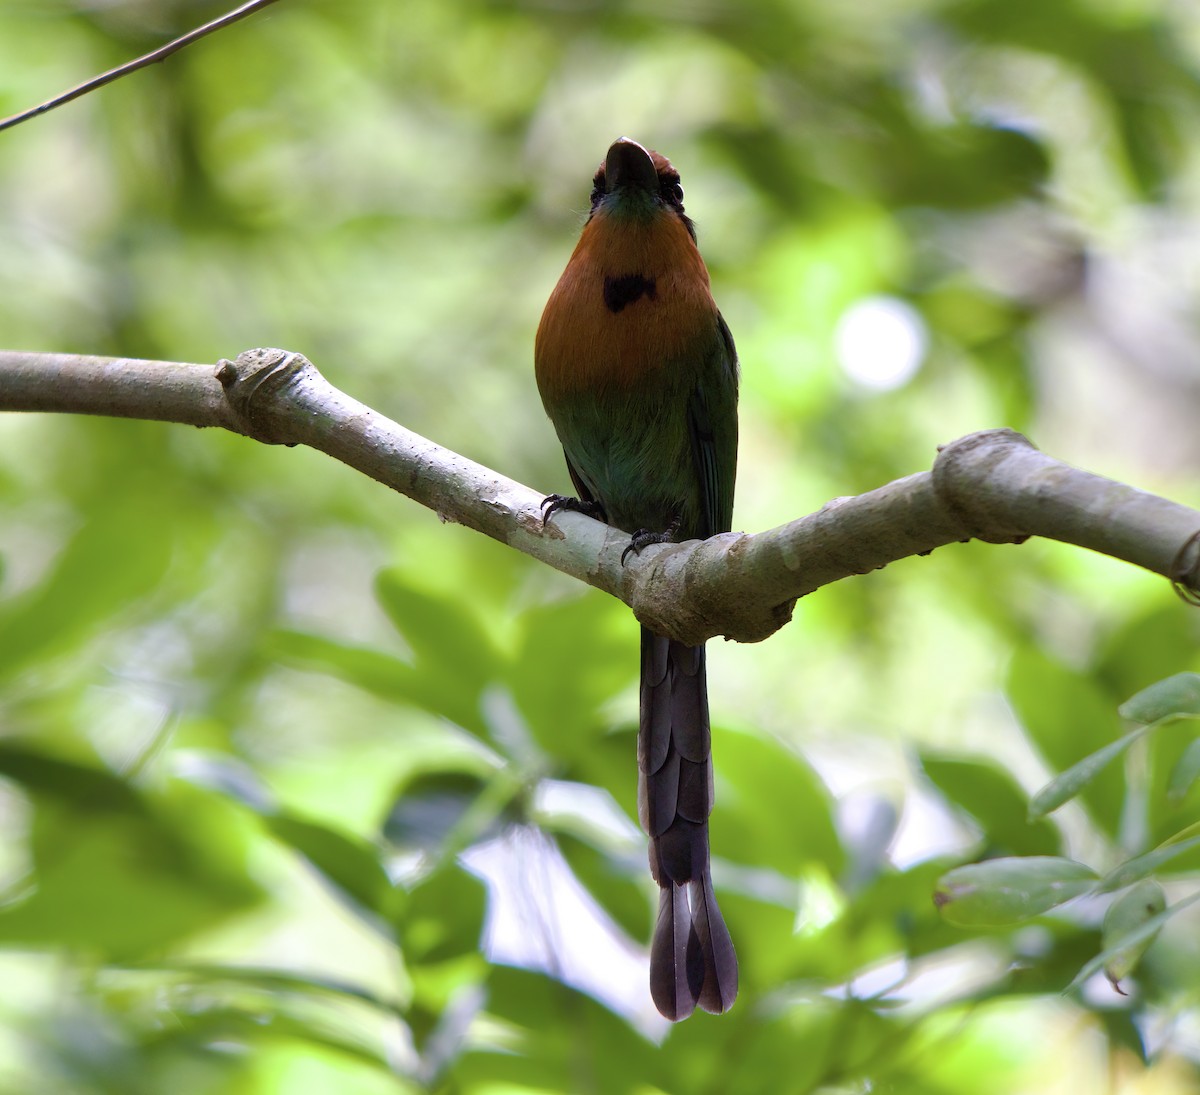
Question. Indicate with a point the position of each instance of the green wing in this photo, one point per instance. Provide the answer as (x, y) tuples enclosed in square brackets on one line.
[(712, 425)]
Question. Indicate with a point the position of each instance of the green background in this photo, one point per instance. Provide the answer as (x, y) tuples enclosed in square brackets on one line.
[(266, 725)]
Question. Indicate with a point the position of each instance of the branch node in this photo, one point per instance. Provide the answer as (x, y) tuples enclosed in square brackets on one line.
[(253, 385), (1185, 571), (959, 470)]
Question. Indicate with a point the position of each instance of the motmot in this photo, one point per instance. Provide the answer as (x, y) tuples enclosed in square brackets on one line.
[(638, 373)]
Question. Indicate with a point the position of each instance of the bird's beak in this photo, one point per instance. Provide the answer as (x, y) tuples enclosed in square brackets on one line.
[(629, 164)]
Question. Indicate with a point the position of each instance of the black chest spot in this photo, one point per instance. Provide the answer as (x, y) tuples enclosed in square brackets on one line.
[(625, 290)]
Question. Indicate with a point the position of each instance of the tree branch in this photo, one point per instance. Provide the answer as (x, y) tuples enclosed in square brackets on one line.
[(992, 486), (151, 58)]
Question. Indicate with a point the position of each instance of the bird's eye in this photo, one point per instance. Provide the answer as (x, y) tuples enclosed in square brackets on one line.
[(598, 187), (672, 191)]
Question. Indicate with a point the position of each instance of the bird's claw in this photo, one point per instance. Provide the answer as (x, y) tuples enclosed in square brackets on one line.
[(552, 503), (644, 537)]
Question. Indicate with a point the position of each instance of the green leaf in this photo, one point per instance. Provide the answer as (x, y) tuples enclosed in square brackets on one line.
[(1184, 773), (770, 952), (1144, 865), (1145, 930), (892, 915), (215, 975), (1068, 718), (1140, 903), (802, 1043), (454, 659), (429, 807), (441, 916), (1121, 1027), (557, 1039), (573, 657), (381, 674), (118, 871), (1148, 646), (960, 165), (611, 763), (1172, 793), (772, 810), (1177, 695), (1001, 892), (374, 671), (995, 800), (445, 635), (71, 602), (83, 787), (351, 865), (1066, 786)]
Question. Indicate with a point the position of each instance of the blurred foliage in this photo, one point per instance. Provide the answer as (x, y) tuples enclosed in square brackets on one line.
[(301, 790)]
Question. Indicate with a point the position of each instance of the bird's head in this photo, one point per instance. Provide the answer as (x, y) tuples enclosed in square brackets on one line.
[(635, 183)]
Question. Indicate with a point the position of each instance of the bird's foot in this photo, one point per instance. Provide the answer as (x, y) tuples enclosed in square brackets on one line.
[(644, 537), (552, 503)]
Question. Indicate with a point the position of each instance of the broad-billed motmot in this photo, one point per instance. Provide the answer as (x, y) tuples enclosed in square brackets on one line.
[(638, 372)]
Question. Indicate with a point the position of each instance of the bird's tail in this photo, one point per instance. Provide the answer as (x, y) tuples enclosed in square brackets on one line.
[(691, 959)]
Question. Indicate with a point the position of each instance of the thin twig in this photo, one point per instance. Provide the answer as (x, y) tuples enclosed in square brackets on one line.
[(160, 54)]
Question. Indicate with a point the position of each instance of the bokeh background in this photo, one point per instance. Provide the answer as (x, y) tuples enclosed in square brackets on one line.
[(304, 790)]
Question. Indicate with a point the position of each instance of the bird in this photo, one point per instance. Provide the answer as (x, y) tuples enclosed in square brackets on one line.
[(638, 374)]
